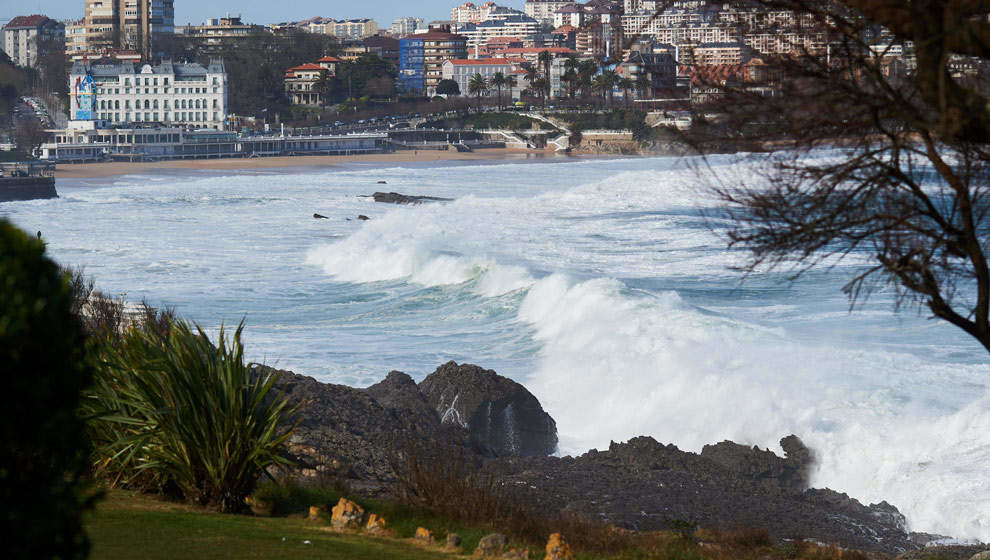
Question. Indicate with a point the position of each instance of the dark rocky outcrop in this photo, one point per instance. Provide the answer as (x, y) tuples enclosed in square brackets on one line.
[(343, 431), (645, 485), (641, 484), (357, 433), (396, 198), (500, 414), (790, 472), (399, 395)]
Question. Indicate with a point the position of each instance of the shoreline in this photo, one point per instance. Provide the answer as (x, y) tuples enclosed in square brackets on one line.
[(110, 169)]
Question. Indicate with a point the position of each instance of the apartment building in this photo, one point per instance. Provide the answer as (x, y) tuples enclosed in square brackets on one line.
[(25, 38), (421, 58), (462, 70), (406, 25), (543, 10), (470, 13), (135, 25), (215, 33), (173, 94), (521, 27)]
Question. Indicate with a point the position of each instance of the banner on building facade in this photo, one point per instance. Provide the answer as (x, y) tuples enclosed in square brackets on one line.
[(83, 98)]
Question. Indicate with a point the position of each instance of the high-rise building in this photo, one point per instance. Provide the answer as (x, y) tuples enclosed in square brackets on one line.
[(130, 25), (406, 25), (26, 38), (421, 58), (542, 10)]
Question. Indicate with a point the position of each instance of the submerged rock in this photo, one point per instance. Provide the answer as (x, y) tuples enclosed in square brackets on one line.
[(500, 415)]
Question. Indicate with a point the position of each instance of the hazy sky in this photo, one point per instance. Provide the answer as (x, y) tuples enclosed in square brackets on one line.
[(261, 11)]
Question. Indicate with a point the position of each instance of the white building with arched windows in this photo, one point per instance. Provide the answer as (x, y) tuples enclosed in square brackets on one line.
[(173, 94)]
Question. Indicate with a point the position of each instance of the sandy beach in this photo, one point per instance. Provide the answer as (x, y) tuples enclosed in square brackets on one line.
[(107, 169)]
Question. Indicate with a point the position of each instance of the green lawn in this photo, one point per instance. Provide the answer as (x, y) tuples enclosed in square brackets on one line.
[(127, 525)]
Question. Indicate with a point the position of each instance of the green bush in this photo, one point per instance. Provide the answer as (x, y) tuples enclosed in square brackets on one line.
[(174, 412), (43, 457)]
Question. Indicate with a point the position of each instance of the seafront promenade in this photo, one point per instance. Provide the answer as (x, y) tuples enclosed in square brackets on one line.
[(108, 169)]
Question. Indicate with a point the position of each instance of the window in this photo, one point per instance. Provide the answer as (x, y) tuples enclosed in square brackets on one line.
[(155, 104), (127, 104), (146, 104), (147, 116), (165, 104), (155, 82), (116, 104), (127, 81)]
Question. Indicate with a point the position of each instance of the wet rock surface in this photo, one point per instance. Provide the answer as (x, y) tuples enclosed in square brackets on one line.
[(500, 415)]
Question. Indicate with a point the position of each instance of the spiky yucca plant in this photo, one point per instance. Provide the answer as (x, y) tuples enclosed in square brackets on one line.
[(174, 410)]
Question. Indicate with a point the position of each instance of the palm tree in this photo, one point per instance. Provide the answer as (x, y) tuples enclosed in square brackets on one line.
[(611, 78), (644, 86), (542, 85), (532, 74), (626, 85), (498, 81), (324, 88), (478, 86), (600, 85), (545, 59), (586, 71)]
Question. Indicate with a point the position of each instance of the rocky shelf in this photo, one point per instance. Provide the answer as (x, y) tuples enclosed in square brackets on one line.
[(642, 484)]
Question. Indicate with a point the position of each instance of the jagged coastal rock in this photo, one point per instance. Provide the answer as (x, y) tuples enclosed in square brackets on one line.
[(790, 473), (499, 414), (645, 485), (641, 484)]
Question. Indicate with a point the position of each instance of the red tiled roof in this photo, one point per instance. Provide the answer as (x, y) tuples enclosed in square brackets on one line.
[(565, 29), (537, 50), (307, 66), (478, 62), (715, 73), (328, 59), (27, 21)]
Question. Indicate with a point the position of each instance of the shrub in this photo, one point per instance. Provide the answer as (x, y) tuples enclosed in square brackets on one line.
[(178, 414), (43, 458)]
